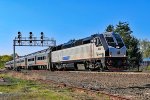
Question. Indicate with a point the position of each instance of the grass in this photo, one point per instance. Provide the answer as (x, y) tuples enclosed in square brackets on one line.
[(19, 89), (25, 90), (2, 64), (147, 68)]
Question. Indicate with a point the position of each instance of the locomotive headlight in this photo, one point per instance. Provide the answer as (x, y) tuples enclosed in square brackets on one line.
[(110, 54), (124, 54)]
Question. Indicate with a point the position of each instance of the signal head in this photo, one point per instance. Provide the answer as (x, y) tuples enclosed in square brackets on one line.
[(30, 33), (19, 35), (42, 33)]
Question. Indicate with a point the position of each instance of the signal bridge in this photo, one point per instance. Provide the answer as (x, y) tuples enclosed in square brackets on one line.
[(32, 41)]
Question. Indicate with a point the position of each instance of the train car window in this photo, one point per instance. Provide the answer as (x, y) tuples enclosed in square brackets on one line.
[(38, 58), (32, 59), (110, 41), (42, 58), (22, 60)]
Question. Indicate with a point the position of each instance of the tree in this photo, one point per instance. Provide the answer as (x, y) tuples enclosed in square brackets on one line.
[(110, 28), (4, 59), (147, 53), (134, 54), (145, 48), (124, 30), (132, 44)]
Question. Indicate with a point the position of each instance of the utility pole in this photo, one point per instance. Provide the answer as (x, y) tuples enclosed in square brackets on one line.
[(31, 41), (14, 53)]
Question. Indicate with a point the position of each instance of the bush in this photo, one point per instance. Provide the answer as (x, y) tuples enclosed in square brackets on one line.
[(147, 68), (2, 65)]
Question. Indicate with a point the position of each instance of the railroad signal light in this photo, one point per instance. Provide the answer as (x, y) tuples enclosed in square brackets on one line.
[(42, 35), (42, 41), (30, 41), (18, 41), (19, 35), (30, 37)]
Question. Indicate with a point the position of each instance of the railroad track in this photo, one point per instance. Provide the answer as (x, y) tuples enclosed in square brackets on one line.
[(96, 72)]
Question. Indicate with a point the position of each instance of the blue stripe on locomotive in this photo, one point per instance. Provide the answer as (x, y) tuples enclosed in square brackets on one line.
[(66, 57)]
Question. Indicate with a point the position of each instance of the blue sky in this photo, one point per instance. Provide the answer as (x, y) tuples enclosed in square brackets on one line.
[(68, 19)]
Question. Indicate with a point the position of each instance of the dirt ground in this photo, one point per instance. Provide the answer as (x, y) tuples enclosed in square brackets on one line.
[(134, 86)]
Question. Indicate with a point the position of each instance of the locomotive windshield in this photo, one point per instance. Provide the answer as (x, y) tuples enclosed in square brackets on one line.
[(119, 40), (110, 41)]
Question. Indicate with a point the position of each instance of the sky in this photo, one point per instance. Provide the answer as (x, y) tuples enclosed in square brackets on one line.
[(68, 19)]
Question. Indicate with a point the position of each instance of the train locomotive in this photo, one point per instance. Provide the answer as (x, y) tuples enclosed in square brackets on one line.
[(101, 52)]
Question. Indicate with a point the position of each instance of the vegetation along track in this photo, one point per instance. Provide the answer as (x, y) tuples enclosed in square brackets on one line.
[(117, 85)]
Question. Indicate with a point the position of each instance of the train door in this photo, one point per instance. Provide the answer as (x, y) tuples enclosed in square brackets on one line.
[(25, 63), (35, 60)]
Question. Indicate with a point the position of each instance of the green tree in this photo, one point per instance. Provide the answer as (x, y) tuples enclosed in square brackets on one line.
[(145, 47), (124, 30), (110, 28), (4, 59), (132, 44), (134, 53), (147, 53)]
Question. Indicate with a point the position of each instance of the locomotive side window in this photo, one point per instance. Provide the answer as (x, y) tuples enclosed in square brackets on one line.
[(59, 47), (78, 42), (98, 42), (54, 49), (86, 42)]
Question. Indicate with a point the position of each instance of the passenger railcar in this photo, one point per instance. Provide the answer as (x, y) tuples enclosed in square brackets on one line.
[(39, 60), (9, 65)]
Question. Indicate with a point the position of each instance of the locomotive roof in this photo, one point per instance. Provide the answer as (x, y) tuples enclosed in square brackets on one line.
[(83, 39), (41, 51)]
